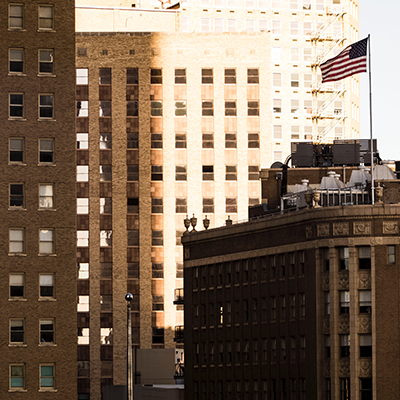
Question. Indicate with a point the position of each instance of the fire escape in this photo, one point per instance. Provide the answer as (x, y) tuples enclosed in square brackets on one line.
[(179, 375), (330, 40)]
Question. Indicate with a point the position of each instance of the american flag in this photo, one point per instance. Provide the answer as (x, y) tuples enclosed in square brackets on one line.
[(352, 60)]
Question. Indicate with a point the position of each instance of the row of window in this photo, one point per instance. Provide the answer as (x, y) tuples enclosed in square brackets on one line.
[(16, 64), (45, 106), (17, 241), (17, 196), (132, 270), (17, 151), (248, 311), (16, 17), (17, 286), (364, 341), (364, 302), (46, 377), (246, 351), (18, 327)]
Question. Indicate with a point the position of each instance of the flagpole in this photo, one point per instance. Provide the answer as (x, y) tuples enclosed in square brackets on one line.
[(370, 124)]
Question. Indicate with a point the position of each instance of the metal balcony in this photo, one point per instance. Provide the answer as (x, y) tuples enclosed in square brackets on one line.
[(178, 298)]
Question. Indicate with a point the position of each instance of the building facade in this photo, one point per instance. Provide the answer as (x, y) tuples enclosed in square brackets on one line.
[(38, 242), (302, 305), (177, 111)]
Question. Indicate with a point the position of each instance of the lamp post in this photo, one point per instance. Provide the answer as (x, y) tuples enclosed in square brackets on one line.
[(128, 298)]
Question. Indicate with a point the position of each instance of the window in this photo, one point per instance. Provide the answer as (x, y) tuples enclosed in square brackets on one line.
[(46, 62), (16, 241), (158, 336), (82, 77), (230, 140), (16, 16), (46, 331), (46, 151), (47, 377), (327, 346), (366, 389), (17, 331), (105, 76), (157, 238), (277, 129), (157, 270), (157, 205), (132, 173), (46, 106), (180, 76), (16, 105), (156, 108), (230, 173), (208, 205), (250, 25), (276, 79), (105, 141), (365, 345), (253, 108), (391, 254), (105, 109), (181, 205), (276, 28), (294, 54), (294, 5), (230, 108), (156, 76), (365, 304), (46, 196), (133, 238), (83, 304), (205, 24), (302, 348), (83, 335), (132, 76), (106, 238), (16, 195), (253, 140), (16, 61), (156, 173), (295, 132), (294, 28), (343, 258), (208, 172), (364, 257), (17, 284), (180, 140), (207, 108), (82, 110), (294, 80), (344, 302), (230, 76), (208, 140), (207, 76), (16, 150), (180, 108), (46, 282), (253, 172), (83, 270), (344, 341), (46, 18), (179, 270), (158, 303), (133, 271), (17, 376), (231, 205), (294, 106), (156, 141), (320, 6), (263, 25), (46, 241), (218, 24), (82, 238), (252, 76), (105, 173), (132, 108), (232, 27), (276, 54), (302, 305), (180, 172)]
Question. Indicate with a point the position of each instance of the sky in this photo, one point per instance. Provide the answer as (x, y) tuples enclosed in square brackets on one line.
[(380, 19)]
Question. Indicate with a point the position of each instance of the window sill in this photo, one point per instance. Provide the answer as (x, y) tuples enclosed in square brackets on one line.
[(46, 75), (16, 208), (17, 345), (17, 299), (16, 119), (47, 255), (17, 254), (16, 163), (46, 30), (16, 74), (46, 299), (46, 164), (47, 390), (47, 209), (17, 390), (47, 344), (46, 119)]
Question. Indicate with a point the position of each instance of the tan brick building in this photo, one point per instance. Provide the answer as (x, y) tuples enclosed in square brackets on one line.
[(38, 240), (177, 110)]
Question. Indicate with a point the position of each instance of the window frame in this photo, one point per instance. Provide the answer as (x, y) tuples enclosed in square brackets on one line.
[(16, 388), (16, 342), (46, 107), (20, 106), (52, 377), (46, 151), (46, 197), (43, 242), (16, 28), (40, 19), (51, 333), (17, 241), (46, 62), (22, 205), (14, 72), (10, 286)]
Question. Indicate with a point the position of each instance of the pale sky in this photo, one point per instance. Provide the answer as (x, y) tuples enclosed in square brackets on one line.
[(380, 19)]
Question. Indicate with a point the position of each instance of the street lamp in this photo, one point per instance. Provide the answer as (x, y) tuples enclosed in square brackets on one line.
[(128, 298)]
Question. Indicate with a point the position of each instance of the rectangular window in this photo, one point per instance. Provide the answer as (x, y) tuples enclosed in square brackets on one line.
[(156, 76), (344, 302), (46, 199), (16, 16), (276, 79), (82, 76), (83, 270), (250, 25), (46, 282), (17, 331), (208, 140), (366, 392), (16, 61), (47, 377), (230, 173), (105, 109), (231, 205), (46, 331), (294, 54), (232, 25), (253, 108), (46, 18), (230, 108), (46, 106), (294, 80), (46, 151), (156, 140), (132, 173), (132, 108), (205, 24), (132, 205), (82, 238), (105, 141), (262, 25), (294, 5), (16, 195), (230, 76), (218, 24), (46, 62), (156, 108), (294, 28), (158, 303), (17, 376), (277, 129), (16, 150), (16, 102), (207, 76), (83, 304), (180, 140), (105, 238), (207, 108), (365, 346), (180, 76), (17, 285), (253, 172), (157, 238), (208, 205), (105, 76), (252, 76), (208, 172), (158, 336), (180, 108), (156, 173), (105, 173), (343, 258), (157, 270), (253, 140), (364, 257), (276, 28), (133, 238), (132, 76), (181, 205), (46, 241), (16, 241), (365, 301), (230, 140), (344, 342), (391, 254), (180, 172), (157, 205)]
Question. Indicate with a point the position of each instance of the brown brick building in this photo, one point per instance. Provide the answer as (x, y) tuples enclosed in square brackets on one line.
[(298, 305), (38, 240)]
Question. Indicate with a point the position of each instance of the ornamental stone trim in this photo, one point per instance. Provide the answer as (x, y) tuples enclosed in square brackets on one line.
[(344, 368), (340, 229), (344, 326), (344, 280), (323, 230), (364, 280), (390, 227), (365, 368), (364, 324), (362, 228)]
